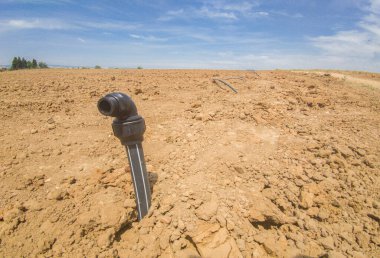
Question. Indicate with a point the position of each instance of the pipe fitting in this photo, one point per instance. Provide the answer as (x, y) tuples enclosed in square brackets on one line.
[(117, 105), (129, 127)]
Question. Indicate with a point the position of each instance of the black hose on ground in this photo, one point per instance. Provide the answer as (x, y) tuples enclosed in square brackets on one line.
[(226, 83), (129, 127)]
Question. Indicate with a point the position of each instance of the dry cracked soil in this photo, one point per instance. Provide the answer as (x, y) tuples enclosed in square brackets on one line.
[(287, 167)]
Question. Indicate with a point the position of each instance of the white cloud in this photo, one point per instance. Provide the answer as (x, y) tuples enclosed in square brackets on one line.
[(287, 14), (48, 24), (134, 36), (217, 9), (176, 12), (374, 6), (212, 13), (241, 7), (81, 40), (356, 46), (226, 10), (107, 25), (56, 24), (261, 14), (147, 38)]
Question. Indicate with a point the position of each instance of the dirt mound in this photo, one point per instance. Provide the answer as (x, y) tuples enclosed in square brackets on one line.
[(287, 167)]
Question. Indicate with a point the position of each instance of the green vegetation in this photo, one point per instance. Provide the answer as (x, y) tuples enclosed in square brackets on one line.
[(42, 65), (98, 67), (139, 67), (22, 63)]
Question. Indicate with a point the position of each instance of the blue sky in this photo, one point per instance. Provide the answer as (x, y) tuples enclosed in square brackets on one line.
[(241, 34)]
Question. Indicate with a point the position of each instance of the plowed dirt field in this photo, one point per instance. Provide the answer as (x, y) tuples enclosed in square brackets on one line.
[(287, 167)]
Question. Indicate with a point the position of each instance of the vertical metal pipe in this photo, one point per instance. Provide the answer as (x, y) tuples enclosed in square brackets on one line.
[(140, 178)]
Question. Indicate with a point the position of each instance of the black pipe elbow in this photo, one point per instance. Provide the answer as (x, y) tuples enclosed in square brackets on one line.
[(128, 126), (117, 105)]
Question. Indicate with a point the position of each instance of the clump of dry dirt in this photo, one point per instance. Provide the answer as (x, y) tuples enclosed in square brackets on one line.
[(287, 167)]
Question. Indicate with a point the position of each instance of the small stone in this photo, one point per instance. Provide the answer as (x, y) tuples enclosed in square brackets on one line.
[(358, 254), (176, 246), (335, 161), (57, 152), (196, 105), (199, 117), (335, 203), (57, 194), (306, 199), (181, 225), (370, 161), (196, 203), (323, 214), (230, 225), (51, 126), (317, 177), (222, 220), (33, 205), (335, 254), (106, 238), (144, 231), (138, 91), (164, 240), (345, 151), (50, 121), (361, 152), (241, 244), (70, 180), (12, 214), (327, 243), (207, 210), (175, 235), (44, 245), (376, 204), (165, 219), (239, 169), (324, 153), (270, 246), (376, 240), (313, 211), (129, 203), (33, 131), (362, 239), (166, 208)]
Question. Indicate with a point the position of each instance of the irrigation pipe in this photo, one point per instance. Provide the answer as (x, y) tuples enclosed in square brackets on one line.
[(226, 83), (129, 127)]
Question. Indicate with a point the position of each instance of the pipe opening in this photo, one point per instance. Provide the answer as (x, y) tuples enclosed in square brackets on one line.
[(105, 107)]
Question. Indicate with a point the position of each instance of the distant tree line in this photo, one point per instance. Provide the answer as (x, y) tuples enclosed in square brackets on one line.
[(22, 63)]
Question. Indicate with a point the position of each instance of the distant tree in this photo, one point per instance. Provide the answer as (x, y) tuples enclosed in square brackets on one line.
[(98, 67), (139, 67), (24, 63), (18, 62), (42, 65), (34, 63), (14, 64)]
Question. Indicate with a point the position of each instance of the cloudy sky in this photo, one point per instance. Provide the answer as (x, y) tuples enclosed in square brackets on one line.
[(241, 34)]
